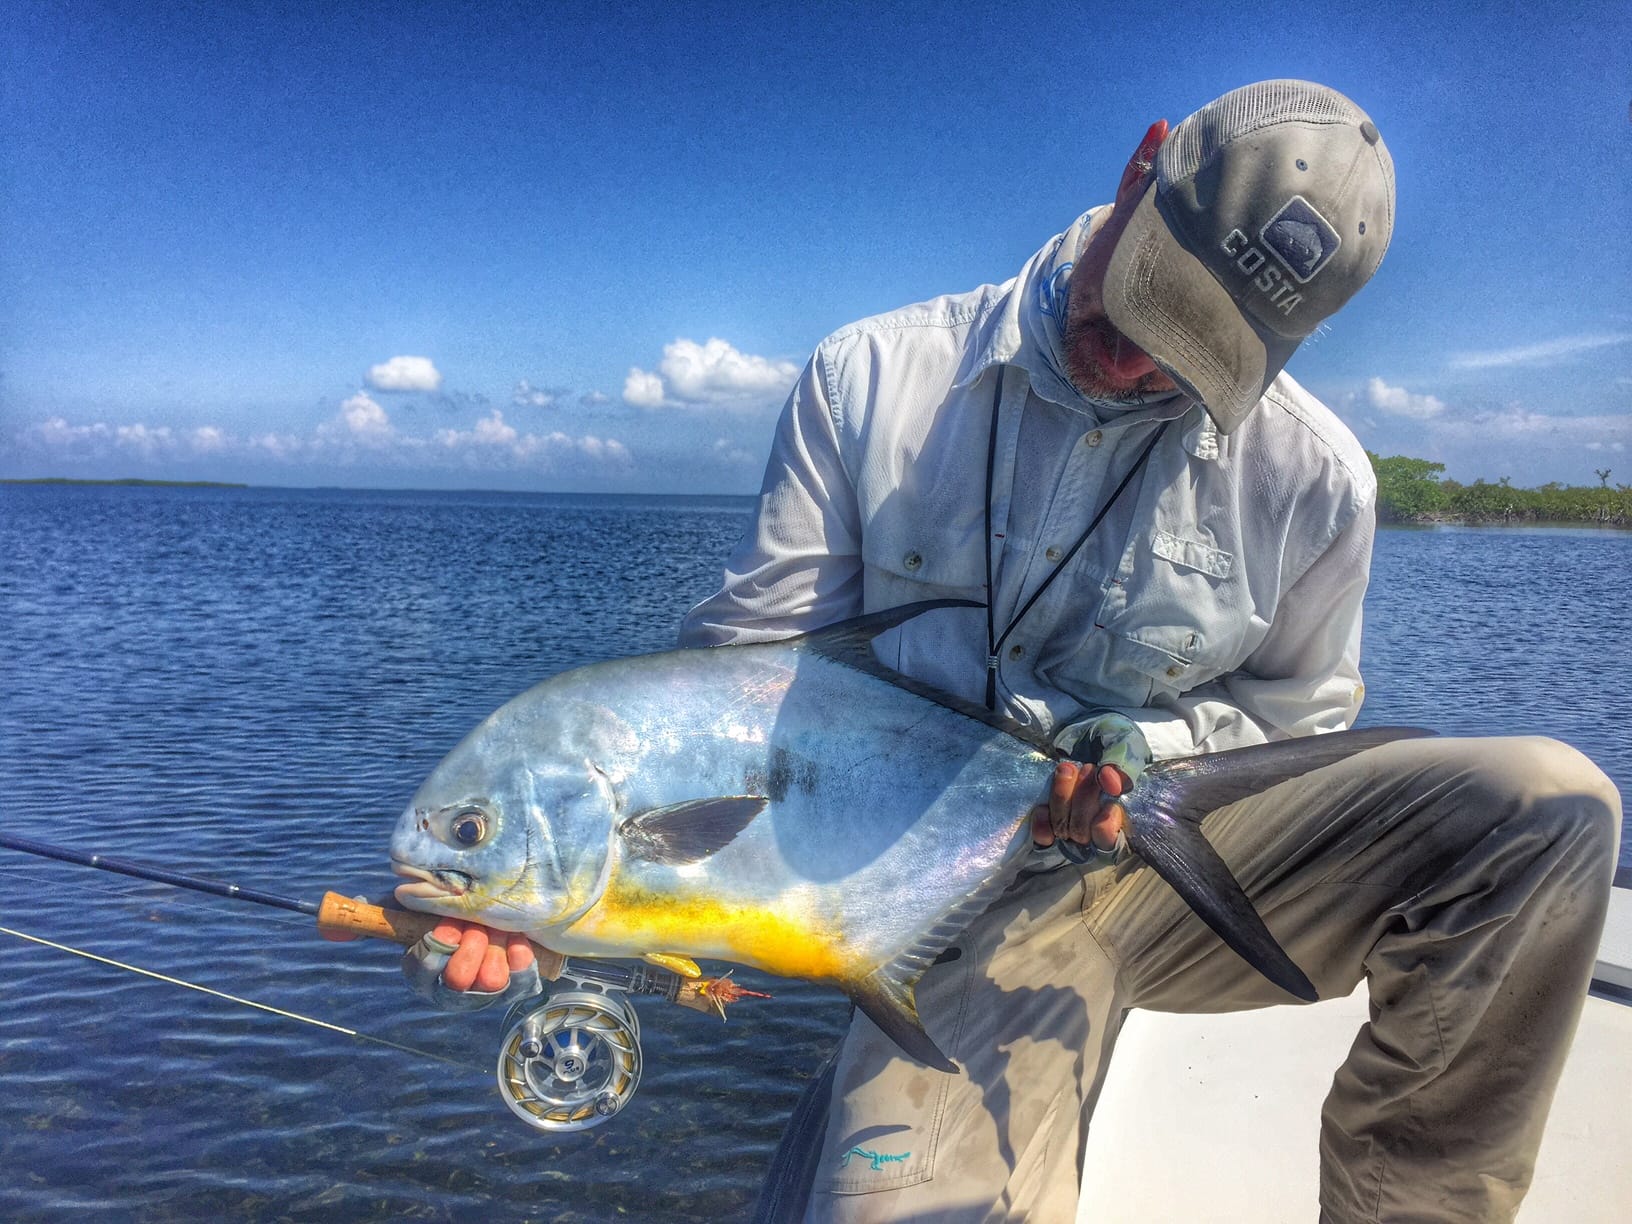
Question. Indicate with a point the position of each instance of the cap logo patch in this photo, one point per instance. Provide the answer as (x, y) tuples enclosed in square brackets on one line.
[(1301, 239)]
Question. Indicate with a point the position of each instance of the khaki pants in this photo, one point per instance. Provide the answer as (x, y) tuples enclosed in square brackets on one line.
[(1466, 879)]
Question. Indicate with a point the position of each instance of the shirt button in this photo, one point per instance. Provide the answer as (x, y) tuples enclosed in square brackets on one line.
[(1175, 670), (1095, 438), (912, 560), (1053, 554), (1017, 652)]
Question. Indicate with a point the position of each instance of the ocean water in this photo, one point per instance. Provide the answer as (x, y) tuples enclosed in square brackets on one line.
[(248, 684)]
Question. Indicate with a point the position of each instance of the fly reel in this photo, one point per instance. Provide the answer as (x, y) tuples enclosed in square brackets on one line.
[(571, 1060)]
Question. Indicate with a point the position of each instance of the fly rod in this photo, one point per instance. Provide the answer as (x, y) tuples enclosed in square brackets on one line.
[(341, 915), (570, 1059)]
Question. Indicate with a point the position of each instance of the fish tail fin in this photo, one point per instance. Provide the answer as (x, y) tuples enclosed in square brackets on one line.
[(1164, 828)]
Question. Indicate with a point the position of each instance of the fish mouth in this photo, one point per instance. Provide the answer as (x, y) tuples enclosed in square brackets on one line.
[(429, 885)]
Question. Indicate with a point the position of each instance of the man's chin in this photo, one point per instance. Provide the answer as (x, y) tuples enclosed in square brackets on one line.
[(1089, 350)]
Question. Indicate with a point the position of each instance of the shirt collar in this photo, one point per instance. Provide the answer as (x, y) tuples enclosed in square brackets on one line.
[(1023, 329)]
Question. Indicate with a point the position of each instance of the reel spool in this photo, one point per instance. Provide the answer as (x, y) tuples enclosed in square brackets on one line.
[(570, 1061)]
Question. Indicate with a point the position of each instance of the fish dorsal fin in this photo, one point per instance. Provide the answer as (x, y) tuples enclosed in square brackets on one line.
[(685, 832), (850, 642), (1164, 828)]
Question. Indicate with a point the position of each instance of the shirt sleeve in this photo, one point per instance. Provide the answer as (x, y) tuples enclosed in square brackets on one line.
[(798, 566), (1304, 677)]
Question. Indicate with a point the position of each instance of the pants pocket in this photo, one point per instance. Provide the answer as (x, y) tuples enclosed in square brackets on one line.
[(887, 1110)]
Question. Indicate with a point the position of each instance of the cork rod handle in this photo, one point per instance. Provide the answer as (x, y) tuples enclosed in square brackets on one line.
[(347, 915)]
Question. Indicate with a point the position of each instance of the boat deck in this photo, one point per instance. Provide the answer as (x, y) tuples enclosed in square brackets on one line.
[(1215, 1118)]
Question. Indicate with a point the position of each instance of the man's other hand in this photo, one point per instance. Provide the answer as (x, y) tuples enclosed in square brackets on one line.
[(1082, 807)]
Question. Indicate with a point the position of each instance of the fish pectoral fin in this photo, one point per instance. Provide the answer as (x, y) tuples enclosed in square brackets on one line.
[(686, 832), (674, 963), (889, 1003)]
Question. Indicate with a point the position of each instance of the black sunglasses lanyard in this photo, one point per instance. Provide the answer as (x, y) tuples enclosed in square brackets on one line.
[(994, 639)]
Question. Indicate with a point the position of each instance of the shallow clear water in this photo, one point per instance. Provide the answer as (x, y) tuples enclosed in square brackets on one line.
[(248, 684)]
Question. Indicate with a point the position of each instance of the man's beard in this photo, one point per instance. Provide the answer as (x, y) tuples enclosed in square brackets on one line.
[(1081, 340)]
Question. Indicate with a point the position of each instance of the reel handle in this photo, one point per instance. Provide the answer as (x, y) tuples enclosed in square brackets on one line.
[(349, 916)]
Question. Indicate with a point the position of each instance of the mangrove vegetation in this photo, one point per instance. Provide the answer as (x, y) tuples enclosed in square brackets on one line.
[(1416, 491)]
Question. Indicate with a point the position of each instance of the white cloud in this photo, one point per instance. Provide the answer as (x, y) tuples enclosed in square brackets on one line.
[(365, 419), (1397, 401), (1545, 353), (528, 396), (594, 399), (143, 441), (405, 374), (1516, 423), (495, 439), (278, 446), (712, 373), (55, 433), (359, 430), (705, 373), (643, 390), (208, 440), (726, 450)]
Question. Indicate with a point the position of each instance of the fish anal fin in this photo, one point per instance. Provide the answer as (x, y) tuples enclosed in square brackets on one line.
[(686, 832), (889, 1003), (674, 962), (888, 995)]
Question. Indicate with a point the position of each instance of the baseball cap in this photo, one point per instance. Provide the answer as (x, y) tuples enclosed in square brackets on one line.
[(1271, 206)]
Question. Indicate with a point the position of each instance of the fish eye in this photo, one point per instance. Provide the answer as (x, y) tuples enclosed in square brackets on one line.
[(468, 828)]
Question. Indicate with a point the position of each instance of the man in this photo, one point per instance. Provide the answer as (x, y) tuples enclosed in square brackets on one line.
[(1170, 539)]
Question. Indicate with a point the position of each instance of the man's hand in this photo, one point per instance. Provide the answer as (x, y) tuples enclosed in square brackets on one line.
[(1082, 807), (460, 966), (483, 958)]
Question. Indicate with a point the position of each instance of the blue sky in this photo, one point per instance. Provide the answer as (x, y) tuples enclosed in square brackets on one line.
[(581, 247)]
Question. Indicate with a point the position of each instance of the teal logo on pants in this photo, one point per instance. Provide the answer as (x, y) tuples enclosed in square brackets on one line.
[(877, 1159)]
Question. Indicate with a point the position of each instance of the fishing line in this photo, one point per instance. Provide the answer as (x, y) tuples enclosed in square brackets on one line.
[(138, 896), (265, 1007)]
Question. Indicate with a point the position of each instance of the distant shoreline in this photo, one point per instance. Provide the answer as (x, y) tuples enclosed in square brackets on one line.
[(128, 480), (1439, 519), (1389, 514)]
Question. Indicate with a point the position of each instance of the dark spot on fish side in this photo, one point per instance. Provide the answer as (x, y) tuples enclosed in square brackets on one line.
[(789, 771)]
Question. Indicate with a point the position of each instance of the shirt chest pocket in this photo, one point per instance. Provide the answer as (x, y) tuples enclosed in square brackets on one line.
[(944, 647), (1176, 616), (922, 564)]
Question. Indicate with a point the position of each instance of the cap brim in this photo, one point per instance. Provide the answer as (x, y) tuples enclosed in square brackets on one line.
[(1165, 300)]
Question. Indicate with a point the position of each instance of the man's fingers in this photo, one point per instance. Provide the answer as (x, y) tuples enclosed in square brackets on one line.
[(494, 973), (518, 952), (449, 931), (466, 962), (1113, 781), (1042, 832), (1061, 795)]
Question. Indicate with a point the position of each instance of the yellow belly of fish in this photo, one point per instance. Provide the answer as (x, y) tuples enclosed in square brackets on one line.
[(636, 921)]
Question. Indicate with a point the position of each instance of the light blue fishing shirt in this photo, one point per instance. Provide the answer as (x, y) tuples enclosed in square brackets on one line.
[(1218, 604)]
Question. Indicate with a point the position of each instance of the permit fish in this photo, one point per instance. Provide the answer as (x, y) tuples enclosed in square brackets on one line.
[(794, 806)]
